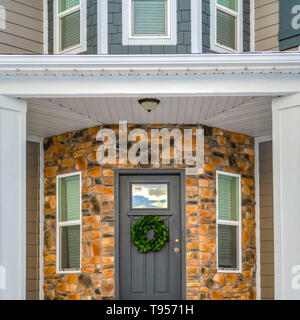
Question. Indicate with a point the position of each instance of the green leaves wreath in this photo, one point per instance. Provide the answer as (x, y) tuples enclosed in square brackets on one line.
[(139, 234)]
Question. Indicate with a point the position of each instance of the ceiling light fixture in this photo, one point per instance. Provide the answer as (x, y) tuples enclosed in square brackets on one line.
[(149, 104)]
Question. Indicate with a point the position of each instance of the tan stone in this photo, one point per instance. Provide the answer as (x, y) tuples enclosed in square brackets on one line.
[(73, 296), (95, 172), (246, 237), (216, 295), (69, 162), (107, 287), (95, 248), (81, 163), (72, 278), (50, 171), (220, 279)]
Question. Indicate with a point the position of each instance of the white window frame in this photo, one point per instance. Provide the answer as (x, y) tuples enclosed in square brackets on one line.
[(230, 223), (127, 23), (82, 47), (214, 45), (67, 223)]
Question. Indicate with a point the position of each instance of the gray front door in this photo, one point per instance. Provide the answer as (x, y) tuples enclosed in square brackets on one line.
[(152, 275)]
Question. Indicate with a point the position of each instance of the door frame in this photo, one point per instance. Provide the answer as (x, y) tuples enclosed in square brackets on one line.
[(181, 174)]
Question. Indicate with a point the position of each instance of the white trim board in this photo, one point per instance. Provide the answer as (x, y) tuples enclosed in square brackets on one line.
[(196, 26), (258, 140), (102, 42)]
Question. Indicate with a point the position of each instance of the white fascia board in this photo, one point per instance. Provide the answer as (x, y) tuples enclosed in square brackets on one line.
[(254, 62)]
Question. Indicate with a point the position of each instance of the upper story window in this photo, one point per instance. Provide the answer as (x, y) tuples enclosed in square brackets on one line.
[(69, 26), (149, 22), (226, 26), (229, 249)]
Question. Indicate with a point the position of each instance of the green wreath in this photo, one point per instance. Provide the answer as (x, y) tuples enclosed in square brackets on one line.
[(139, 234)]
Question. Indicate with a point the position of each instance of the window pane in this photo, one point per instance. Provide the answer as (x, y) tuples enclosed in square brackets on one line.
[(227, 246), (70, 247), (69, 198), (67, 4), (70, 30), (226, 29), (150, 195), (149, 17), (228, 198), (230, 4)]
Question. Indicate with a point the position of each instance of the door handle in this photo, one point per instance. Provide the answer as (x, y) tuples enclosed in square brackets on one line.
[(177, 240), (176, 250)]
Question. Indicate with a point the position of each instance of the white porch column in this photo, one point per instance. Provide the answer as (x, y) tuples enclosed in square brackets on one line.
[(286, 178), (12, 198)]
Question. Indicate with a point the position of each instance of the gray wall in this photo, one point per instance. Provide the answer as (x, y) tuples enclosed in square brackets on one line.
[(206, 25), (91, 26), (115, 32), (24, 27)]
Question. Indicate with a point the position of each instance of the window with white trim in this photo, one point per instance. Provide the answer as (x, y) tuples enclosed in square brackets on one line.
[(70, 26), (149, 22), (68, 222), (226, 26), (228, 222)]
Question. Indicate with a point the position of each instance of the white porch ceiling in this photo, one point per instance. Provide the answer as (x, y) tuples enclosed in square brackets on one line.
[(248, 115)]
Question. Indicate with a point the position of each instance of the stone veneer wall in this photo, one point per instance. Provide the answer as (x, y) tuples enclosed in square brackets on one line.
[(76, 151)]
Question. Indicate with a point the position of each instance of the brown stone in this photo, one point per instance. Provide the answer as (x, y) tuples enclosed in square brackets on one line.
[(246, 237), (216, 295), (236, 137), (50, 171), (95, 172), (73, 296), (69, 162), (81, 163), (107, 287), (95, 248)]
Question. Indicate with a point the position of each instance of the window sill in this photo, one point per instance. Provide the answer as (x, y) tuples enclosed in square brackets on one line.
[(222, 49), (149, 41), (68, 272), (228, 271), (74, 50)]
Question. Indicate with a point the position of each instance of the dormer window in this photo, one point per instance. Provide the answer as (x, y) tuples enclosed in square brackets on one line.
[(149, 22), (226, 26), (69, 26)]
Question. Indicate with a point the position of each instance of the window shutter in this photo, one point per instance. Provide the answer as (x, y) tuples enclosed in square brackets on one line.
[(149, 17), (70, 30), (226, 29), (227, 246), (67, 4), (70, 247), (228, 198), (69, 198)]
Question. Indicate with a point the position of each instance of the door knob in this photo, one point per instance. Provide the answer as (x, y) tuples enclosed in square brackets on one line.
[(176, 250), (177, 240)]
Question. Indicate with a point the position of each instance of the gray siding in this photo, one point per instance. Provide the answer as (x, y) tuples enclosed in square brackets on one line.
[(32, 221), (266, 220), (24, 27), (206, 25), (91, 26), (115, 32)]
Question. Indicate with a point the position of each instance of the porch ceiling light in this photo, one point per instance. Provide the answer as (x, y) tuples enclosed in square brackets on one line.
[(149, 104)]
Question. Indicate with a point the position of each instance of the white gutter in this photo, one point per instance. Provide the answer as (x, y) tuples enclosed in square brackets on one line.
[(123, 64)]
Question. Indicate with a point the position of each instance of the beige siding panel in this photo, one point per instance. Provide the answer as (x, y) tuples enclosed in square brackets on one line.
[(17, 7), (20, 42), (38, 4), (262, 3), (32, 221), (23, 32), (24, 27), (266, 10), (266, 220), (267, 44), (270, 20), (271, 31), (266, 25)]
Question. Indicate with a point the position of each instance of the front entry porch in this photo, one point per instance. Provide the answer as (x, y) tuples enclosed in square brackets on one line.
[(229, 100)]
